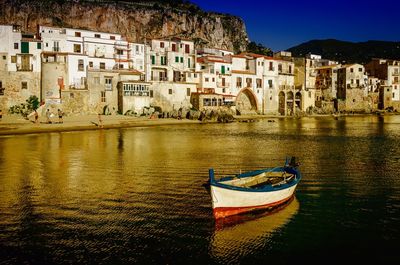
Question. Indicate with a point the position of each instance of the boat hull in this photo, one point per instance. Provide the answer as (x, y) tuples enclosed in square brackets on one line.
[(227, 202)]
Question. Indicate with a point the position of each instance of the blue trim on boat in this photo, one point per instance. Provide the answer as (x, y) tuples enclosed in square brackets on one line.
[(267, 188)]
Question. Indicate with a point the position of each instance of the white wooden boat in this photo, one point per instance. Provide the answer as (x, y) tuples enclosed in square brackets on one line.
[(258, 189)]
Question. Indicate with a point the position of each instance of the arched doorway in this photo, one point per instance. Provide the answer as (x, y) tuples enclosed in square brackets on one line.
[(282, 100), (298, 101), (246, 102), (289, 103)]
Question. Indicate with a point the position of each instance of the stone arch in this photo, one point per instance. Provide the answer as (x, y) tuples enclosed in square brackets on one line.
[(298, 98), (246, 102)]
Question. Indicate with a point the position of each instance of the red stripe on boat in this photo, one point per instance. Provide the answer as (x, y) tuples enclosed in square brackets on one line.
[(221, 212)]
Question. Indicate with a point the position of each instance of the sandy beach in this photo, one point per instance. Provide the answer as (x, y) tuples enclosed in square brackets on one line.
[(16, 124)]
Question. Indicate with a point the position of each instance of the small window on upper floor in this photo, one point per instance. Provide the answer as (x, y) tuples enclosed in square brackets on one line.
[(77, 48), (97, 35), (112, 37), (161, 44), (77, 34), (16, 46)]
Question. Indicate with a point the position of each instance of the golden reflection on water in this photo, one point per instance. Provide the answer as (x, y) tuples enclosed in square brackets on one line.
[(246, 236)]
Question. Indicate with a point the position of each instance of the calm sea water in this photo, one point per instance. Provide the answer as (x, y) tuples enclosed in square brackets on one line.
[(135, 196)]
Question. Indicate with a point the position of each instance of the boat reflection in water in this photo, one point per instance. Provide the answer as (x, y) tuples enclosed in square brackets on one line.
[(244, 234)]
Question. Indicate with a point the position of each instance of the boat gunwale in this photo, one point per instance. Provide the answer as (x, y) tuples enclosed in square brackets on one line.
[(266, 188)]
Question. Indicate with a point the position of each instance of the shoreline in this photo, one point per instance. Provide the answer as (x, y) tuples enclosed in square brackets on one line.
[(17, 125)]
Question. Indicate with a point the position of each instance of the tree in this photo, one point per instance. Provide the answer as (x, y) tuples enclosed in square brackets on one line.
[(253, 47)]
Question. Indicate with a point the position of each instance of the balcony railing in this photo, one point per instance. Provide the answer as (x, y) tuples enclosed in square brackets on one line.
[(286, 87), (24, 68), (159, 79), (221, 84)]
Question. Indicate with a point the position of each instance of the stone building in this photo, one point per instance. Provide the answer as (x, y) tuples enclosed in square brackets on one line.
[(352, 88), (388, 74), (20, 66)]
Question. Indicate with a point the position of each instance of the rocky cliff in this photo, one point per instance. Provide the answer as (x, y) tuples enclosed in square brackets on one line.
[(133, 19)]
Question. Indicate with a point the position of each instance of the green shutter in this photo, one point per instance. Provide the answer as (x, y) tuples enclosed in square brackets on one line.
[(153, 59), (39, 45), (222, 69), (181, 59), (188, 62), (24, 47), (176, 59)]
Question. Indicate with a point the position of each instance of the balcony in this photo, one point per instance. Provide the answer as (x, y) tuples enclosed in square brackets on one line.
[(223, 84), (286, 87), (24, 68), (159, 79)]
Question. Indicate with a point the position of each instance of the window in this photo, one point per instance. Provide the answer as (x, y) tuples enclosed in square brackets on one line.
[(16, 46), (137, 48), (151, 93), (80, 65), (181, 59), (77, 34), (24, 85), (176, 59), (102, 65), (248, 82), (170, 91), (153, 59), (360, 69), (90, 64), (97, 36), (270, 83), (163, 60), (112, 37), (120, 52), (161, 44), (1, 89), (173, 47), (280, 67), (206, 79), (4, 57), (56, 46), (238, 82), (271, 66), (77, 48), (39, 46), (259, 83), (108, 83), (103, 96), (188, 91), (188, 62), (351, 70)]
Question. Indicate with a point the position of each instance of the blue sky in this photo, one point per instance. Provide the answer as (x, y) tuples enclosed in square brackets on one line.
[(284, 24)]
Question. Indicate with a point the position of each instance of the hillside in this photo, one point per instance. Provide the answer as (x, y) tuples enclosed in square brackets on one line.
[(134, 19), (349, 52)]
